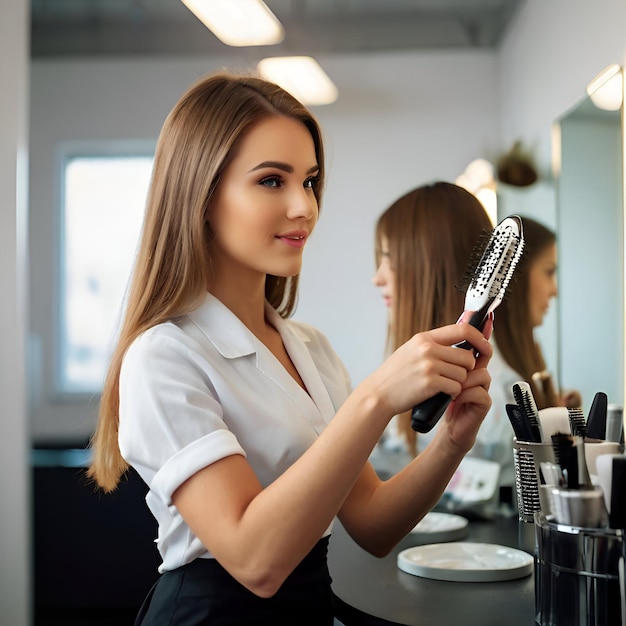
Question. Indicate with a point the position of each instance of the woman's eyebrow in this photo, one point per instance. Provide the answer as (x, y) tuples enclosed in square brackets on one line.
[(281, 166)]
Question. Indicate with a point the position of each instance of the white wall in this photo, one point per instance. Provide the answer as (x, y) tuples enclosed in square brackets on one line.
[(550, 53), (396, 124), (552, 50), (401, 120), (15, 568)]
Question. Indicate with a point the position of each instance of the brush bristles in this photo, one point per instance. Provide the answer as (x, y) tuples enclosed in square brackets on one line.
[(577, 421), (497, 264), (474, 261)]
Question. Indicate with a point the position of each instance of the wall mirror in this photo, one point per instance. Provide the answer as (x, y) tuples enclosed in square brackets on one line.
[(589, 179)]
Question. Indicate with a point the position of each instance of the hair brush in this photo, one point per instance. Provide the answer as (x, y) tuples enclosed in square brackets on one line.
[(486, 290)]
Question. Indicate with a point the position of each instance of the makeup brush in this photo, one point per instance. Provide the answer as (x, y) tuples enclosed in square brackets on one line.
[(567, 457)]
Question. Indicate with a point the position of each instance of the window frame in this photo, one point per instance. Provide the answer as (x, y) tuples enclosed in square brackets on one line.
[(67, 152)]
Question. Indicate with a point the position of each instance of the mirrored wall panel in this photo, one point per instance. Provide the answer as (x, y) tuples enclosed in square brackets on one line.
[(590, 223)]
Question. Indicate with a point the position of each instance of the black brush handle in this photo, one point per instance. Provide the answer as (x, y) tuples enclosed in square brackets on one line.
[(521, 426), (427, 413), (596, 421)]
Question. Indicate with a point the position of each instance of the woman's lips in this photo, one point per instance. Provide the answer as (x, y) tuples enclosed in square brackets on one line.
[(296, 239)]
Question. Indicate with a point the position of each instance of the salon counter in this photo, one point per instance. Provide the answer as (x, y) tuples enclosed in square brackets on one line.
[(381, 593)]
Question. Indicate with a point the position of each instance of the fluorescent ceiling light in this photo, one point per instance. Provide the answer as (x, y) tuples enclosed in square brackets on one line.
[(302, 77), (239, 22), (606, 90)]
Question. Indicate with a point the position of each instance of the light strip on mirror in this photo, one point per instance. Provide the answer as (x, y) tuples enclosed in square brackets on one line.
[(238, 22), (606, 89)]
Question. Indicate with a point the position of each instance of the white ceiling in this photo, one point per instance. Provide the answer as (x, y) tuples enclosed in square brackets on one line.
[(140, 27)]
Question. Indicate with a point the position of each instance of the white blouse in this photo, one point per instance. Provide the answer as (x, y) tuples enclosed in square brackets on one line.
[(494, 441), (203, 387)]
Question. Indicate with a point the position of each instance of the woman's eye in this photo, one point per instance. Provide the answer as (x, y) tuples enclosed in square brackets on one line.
[(311, 183), (271, 181)]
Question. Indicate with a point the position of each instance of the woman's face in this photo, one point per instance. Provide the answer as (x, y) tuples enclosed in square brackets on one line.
[(385, 277), (265, 207), (542, 284)]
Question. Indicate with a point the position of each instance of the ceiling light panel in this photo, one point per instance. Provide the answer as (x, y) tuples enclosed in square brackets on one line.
[(239, 22)]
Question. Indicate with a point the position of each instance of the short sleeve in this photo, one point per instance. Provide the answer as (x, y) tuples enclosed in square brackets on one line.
[(171, 422)]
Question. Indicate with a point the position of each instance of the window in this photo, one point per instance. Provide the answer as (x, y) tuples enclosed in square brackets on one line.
[(102, 211)]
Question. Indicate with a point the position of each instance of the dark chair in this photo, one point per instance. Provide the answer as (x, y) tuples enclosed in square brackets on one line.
[(94, 553)]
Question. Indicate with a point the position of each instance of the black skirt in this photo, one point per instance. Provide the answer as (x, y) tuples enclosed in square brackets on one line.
[(203, 593)]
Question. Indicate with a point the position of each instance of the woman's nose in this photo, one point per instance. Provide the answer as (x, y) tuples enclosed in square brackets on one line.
[(555, 288), (302, 205), (378, 279)]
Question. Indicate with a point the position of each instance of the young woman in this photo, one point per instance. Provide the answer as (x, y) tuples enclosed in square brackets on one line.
[(242, 422), (524, 308), (424, 244), (424, 248)]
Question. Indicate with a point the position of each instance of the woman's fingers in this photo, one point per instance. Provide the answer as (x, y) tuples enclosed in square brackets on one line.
[(470, 406), (441, 342), (429, 363), (478, 378), (458, 333), (443, 367)]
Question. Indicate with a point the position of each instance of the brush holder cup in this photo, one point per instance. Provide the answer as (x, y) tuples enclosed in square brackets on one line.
[(576, 575), (527, 457)]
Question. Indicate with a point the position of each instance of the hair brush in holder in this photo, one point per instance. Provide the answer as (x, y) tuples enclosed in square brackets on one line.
[(486, 289), (525, 400)]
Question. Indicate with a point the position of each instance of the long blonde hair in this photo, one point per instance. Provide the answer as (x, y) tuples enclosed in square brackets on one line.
[(432, 232), (173, 265)]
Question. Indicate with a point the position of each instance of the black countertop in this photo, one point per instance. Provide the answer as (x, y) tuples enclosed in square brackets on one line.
[(377, 588)]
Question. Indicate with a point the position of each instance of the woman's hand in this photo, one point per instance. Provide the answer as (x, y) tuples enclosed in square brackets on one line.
[(429, 363), (467, 411), (465, 414)]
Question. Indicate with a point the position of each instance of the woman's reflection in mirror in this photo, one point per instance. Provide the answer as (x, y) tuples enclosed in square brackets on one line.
[(524, 308), (424, 244)]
